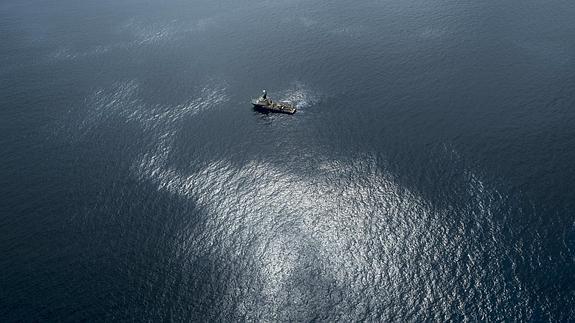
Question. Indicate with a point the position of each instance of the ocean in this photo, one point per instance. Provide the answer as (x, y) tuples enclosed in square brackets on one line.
[(426, 176)]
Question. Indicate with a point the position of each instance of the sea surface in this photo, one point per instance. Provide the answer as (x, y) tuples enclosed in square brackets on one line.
[(428, 175)]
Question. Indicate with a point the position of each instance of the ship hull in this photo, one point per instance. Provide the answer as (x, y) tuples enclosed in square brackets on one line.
[(276, 109)]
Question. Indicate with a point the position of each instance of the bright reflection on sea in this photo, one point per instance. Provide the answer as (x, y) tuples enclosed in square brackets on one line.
[(349, 233), (342, 240)]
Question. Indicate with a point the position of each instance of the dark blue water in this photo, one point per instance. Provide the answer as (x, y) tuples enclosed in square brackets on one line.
[(427, 175)]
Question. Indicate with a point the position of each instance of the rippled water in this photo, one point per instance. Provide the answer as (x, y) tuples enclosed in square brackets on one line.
[(427, 174)]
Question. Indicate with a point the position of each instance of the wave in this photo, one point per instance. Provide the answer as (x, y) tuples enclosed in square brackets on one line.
[(139, 33), (300, 95), (122, 103), (372, 244), (352, 223)]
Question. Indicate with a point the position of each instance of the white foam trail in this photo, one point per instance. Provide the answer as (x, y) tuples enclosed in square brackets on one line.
[(300, 95)]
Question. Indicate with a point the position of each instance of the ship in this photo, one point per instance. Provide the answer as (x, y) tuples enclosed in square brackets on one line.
[(264, 104)]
